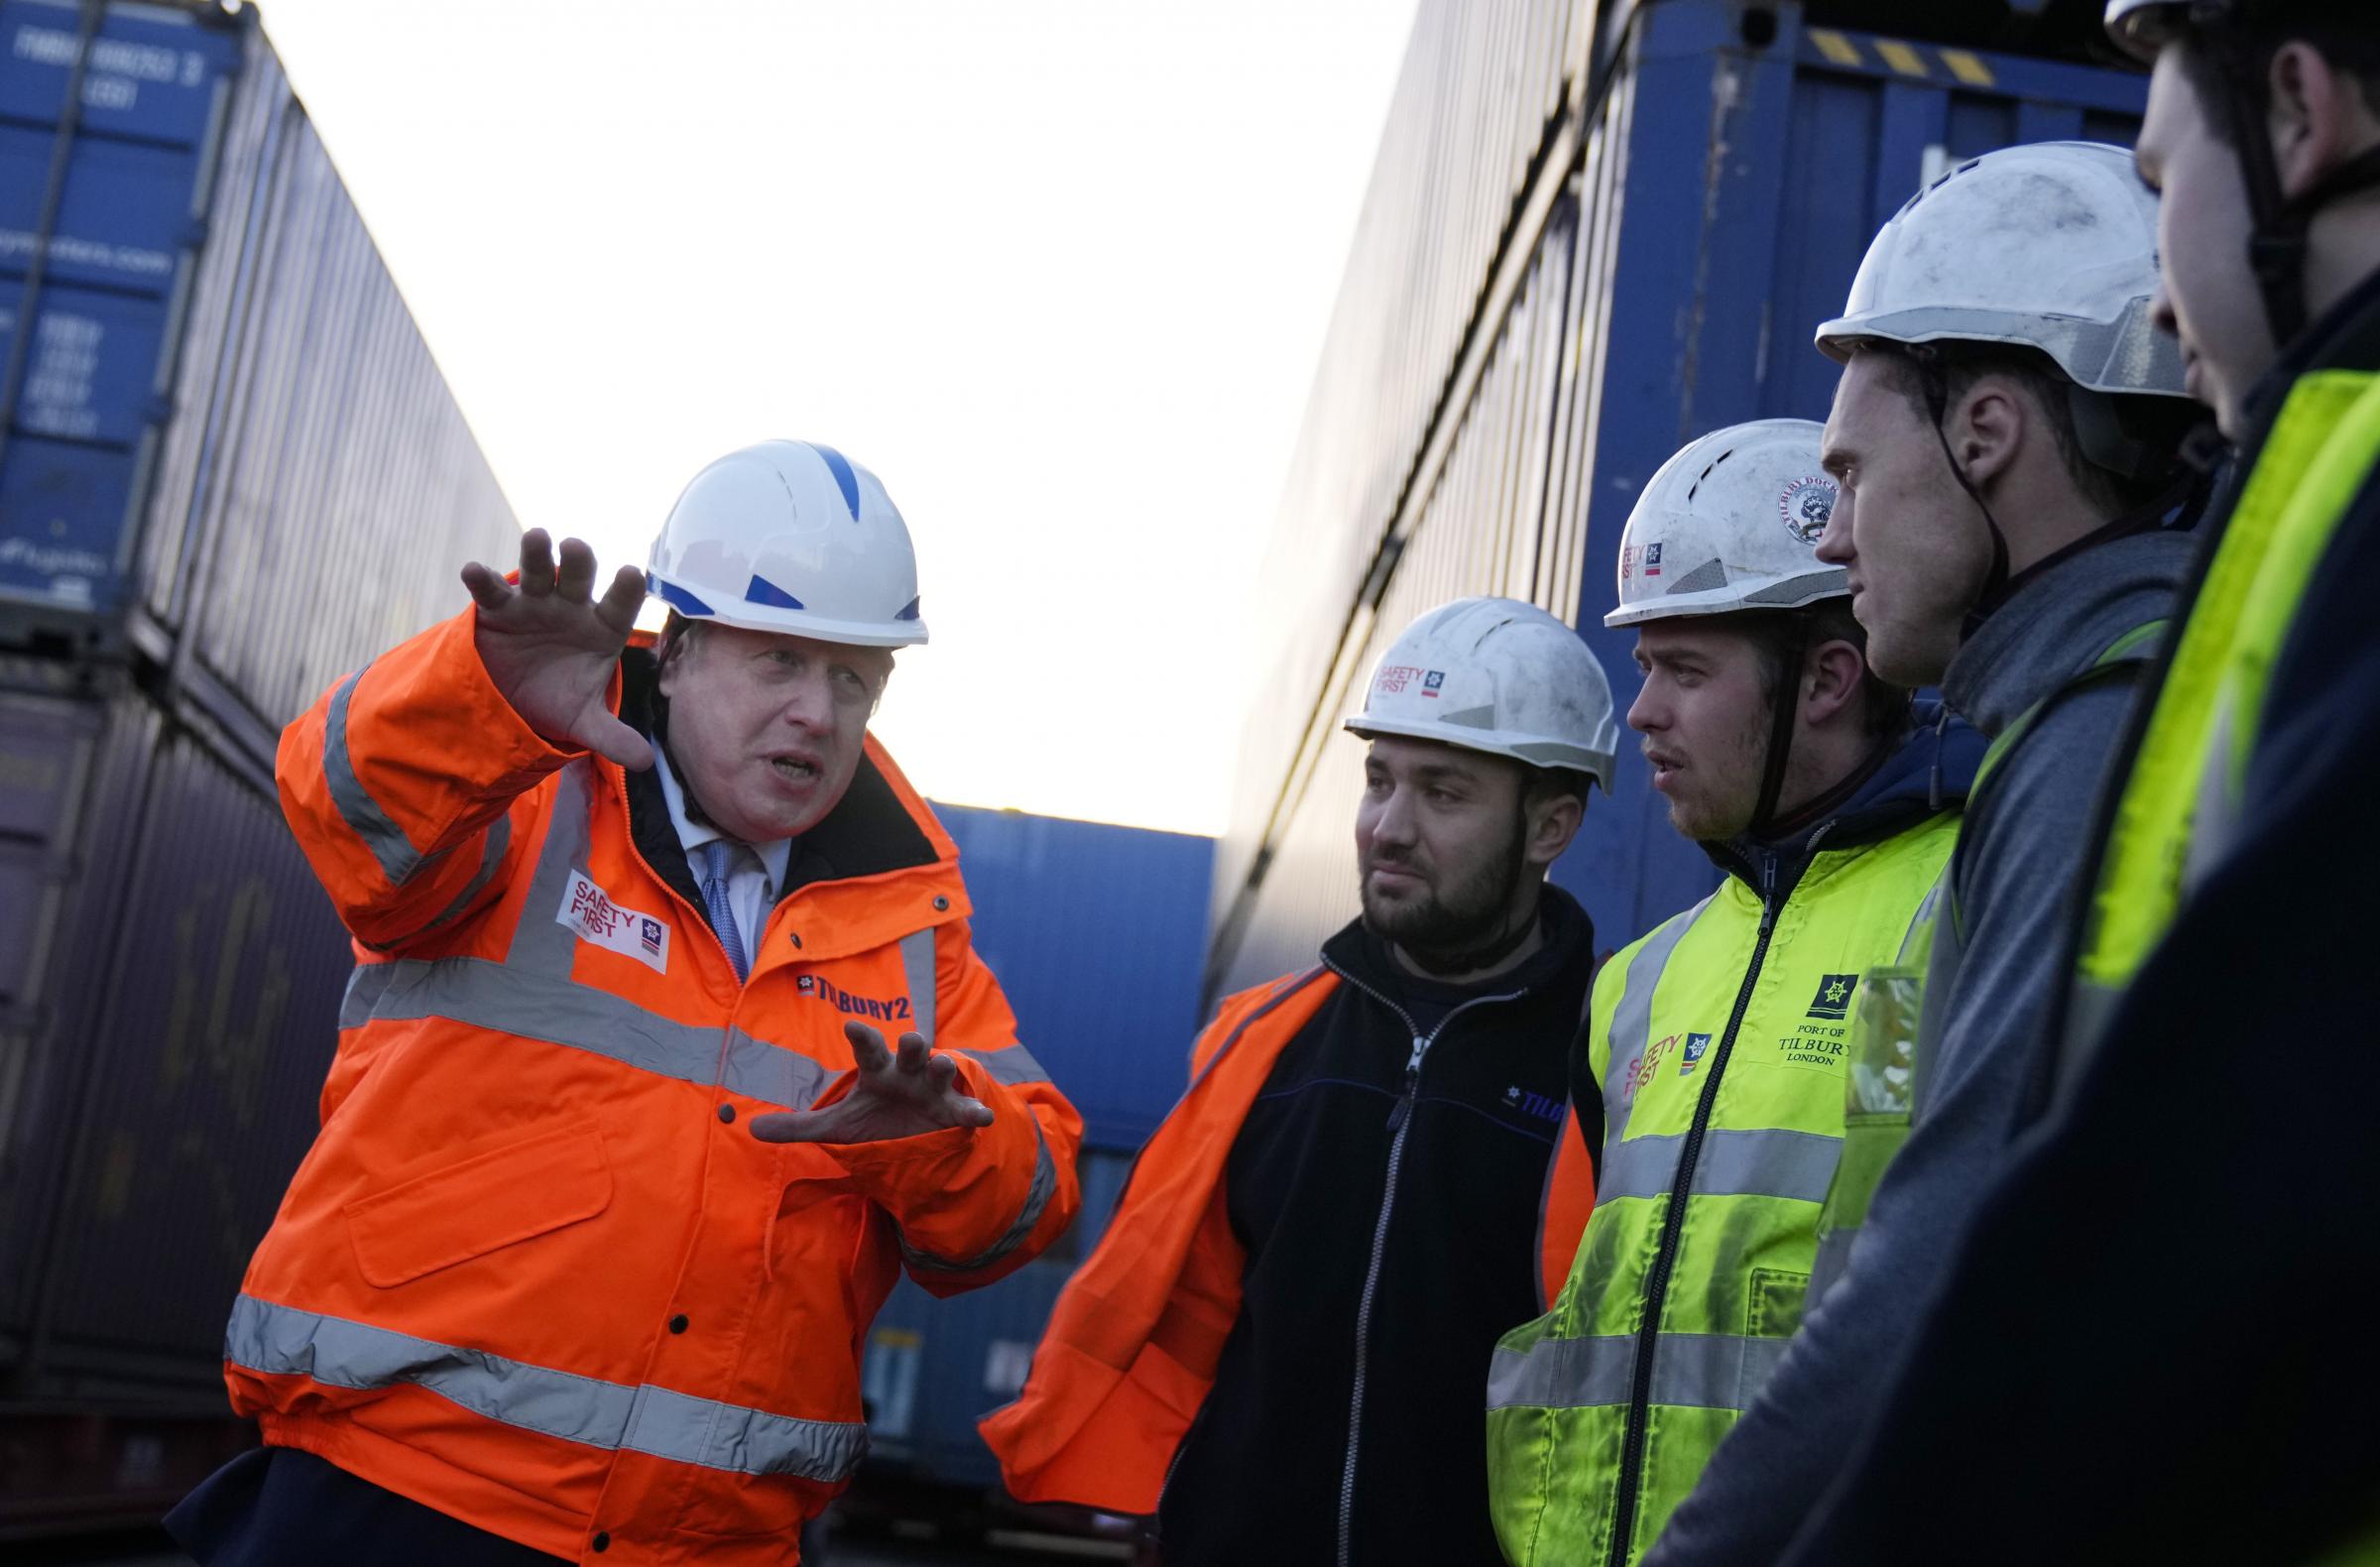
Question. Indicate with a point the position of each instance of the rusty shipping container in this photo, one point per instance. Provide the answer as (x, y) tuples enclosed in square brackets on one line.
[(1694, 184)]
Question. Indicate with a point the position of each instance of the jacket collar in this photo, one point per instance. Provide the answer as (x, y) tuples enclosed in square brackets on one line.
[(1925, 774)]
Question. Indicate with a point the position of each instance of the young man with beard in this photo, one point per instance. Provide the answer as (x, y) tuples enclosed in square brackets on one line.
[(1718, 1043), (1277, 1348), (2148, 1348), (2004, 436)]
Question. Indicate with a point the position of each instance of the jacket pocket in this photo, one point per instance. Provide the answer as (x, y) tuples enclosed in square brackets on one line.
[(490, 1200)]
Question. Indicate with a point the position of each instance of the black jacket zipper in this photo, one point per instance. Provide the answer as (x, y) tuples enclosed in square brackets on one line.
[(1399, 1119), (1673, 1218)]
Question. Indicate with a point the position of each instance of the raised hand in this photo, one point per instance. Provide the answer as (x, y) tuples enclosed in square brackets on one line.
[(550, 644), (900, 1094)]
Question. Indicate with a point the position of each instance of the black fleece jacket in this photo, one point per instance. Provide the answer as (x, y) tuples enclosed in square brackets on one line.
[(1348, 1153)]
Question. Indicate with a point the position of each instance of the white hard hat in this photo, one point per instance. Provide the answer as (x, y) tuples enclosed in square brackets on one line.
[(2050, 246), (1497, 675), (1730, 522), (795, 538)]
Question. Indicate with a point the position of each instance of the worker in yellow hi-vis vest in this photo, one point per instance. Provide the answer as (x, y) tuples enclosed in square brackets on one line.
[(2150, 1349), (1716, 1045)]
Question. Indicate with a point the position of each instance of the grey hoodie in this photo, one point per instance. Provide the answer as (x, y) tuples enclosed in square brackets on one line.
[(1988, 997)]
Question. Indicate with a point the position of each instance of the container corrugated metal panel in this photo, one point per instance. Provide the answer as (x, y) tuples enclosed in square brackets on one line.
[(1098, 935), (934, 1366), (1484, 85), (1479, 532), (233, 452), (1717, 205), (175, 1034)]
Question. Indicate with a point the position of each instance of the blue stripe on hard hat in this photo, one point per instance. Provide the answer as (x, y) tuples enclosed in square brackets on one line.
[(911, 613), (763, 591), (845, 480), (679, 599)]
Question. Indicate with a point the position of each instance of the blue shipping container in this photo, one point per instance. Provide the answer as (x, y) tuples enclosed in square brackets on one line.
[(1097, 934), (223, 443)]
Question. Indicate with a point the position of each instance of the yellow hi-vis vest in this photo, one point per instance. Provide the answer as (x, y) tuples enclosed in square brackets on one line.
[(2181, 806), (1720, 1041)]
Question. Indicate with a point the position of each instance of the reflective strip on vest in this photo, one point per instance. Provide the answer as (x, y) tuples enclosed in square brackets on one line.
[(530, 993), (394, 852), (1632, 1022), (918, 964), (1762, 1162), (1692, 1371), (1011, 1066), (283, 1340), (1036, 1198)]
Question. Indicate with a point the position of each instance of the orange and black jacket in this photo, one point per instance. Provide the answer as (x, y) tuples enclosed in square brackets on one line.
[(1305, 1255), (536, 1272)]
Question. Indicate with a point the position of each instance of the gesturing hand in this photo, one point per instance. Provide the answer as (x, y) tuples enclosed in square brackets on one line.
[(898, 1095), (550, 644)]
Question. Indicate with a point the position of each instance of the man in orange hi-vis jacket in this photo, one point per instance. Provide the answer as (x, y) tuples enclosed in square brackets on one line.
[(615, 1164), (1280, 1345)]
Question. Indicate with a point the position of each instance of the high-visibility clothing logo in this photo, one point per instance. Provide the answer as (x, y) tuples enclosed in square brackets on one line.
[(589, 910), (1697, 1045), (1833, 1000)]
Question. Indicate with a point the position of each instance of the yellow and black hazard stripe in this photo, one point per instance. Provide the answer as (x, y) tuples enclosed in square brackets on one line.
[(1865, 51)]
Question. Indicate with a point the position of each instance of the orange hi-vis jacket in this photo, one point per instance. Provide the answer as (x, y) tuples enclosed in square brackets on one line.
[(1132, 1345), (536, 1272)]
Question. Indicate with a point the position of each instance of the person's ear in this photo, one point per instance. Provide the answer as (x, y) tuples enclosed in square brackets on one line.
[(2316, 114), (1990, 425), (1552, 823), (1831, 675)]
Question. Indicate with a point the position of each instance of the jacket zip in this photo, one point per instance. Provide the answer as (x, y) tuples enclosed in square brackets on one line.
[(1399, 1120), (1673, 1220)]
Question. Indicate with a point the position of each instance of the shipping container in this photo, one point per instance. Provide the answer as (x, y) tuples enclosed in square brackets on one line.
[(224, 446), (170, 981), (1696, 204), (1097, 934), (229, 472)]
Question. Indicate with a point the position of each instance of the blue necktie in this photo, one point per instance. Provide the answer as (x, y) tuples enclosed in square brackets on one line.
[(715, 858)]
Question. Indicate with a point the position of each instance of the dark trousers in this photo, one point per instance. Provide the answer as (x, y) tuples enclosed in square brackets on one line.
[(279, 1507)]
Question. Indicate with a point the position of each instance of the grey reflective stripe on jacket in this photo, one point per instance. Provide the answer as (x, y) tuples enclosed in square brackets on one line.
[(1036, 1198), (530, 991), (1695, 1370), (394, 852), (1632, 1020), (1764, 1162), (282, 1340)]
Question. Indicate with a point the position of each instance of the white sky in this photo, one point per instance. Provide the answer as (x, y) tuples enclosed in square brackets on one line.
[(1058, 272)]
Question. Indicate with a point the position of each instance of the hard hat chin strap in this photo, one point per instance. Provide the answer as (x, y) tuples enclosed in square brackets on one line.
[(1781, 714), (1937, 387)]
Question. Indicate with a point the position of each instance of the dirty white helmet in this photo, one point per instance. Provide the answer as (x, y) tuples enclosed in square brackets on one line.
[(795, 538), (1730, 522), (1497, 675), (2050, 246)]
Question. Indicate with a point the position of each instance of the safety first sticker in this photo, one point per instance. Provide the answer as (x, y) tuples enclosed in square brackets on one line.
[(589, 910)]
